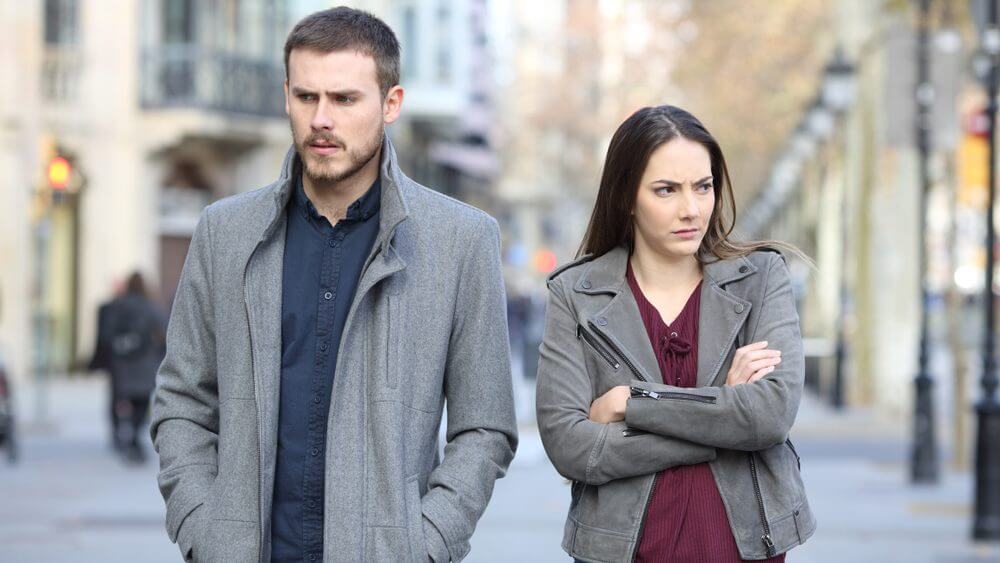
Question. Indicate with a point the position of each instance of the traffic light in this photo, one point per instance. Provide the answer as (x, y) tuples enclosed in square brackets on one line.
[(60, 173)]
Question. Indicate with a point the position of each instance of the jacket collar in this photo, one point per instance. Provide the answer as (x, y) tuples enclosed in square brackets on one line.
[(721, 317), (394, 206), (606, 273)]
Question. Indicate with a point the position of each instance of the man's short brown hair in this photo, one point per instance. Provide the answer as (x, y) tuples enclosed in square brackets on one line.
[(342, 29)]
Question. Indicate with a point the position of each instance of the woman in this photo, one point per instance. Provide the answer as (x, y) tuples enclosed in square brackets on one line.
[(671, 367)]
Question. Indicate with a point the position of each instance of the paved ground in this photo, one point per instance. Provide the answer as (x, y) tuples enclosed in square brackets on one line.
[(70, 499)]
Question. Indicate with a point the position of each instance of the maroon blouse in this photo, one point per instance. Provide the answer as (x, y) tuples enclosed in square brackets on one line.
[(685, 519)]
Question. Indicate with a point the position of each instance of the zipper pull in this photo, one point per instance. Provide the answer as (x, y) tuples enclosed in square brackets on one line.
[(768, 544), (640, 392)]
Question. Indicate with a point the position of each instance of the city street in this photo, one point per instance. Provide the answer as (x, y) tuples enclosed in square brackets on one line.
[(71, 499)]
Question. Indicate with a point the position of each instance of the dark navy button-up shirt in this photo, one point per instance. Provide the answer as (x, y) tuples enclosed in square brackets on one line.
[(322, 265)]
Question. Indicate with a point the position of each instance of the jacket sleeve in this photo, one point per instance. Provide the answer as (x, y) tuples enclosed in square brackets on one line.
[(481, 430), (582, 450), (751, 416), (185, 424)]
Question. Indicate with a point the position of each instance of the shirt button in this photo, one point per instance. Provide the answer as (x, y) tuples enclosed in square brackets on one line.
[(328, 296), (312, 556), (332, 242), (323, 346), (315, 452), (316, 400), (312, 504)]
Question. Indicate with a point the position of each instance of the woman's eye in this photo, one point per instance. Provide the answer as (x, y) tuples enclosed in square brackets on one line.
[(663, 190), (705, 187)]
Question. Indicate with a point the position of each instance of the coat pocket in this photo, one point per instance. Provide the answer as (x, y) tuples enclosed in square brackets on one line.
[(415, 521), (228, 540)]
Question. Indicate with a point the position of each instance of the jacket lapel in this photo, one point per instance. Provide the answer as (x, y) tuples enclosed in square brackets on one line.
[(722, 313), (721, 317), (619, 322)]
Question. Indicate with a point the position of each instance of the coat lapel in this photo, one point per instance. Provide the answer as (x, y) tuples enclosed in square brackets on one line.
[(721, 317), (619, 322), (722, 313)]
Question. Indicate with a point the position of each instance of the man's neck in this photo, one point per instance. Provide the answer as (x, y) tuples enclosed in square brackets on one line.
[(332, 199)]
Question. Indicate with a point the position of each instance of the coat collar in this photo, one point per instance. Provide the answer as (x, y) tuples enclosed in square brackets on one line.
[(721, 317), (394, 206), (606, 273)]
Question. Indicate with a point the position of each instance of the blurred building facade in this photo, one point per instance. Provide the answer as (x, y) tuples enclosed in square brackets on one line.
[(846, 189), (160, 106)]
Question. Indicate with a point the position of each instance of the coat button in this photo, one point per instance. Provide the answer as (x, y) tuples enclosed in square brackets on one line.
[(328, 295), (744, 269), (585, 284), (739, 308), (602, 321)]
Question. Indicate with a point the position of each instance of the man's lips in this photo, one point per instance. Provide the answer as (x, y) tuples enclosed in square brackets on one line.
[(323, 147)]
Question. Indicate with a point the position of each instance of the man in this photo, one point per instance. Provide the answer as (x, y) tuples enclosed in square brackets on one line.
[(320, 326)]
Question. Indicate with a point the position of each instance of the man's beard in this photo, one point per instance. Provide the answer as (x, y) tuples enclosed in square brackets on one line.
[(357, 158)]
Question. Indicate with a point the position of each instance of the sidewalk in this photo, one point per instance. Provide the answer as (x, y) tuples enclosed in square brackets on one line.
[(70, 499)]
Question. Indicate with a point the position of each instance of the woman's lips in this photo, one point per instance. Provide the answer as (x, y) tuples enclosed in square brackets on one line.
[(687, 234)]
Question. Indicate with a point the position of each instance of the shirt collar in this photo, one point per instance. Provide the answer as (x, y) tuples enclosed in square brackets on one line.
[(362, 209)]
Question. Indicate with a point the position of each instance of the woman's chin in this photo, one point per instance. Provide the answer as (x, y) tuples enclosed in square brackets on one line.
[(685, 249)]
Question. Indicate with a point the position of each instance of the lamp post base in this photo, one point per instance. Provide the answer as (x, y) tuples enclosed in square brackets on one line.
[(924, 466), (987, 524)]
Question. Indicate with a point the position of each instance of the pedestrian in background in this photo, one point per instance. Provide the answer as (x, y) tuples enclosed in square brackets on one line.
[(671, 366), (131, 338), (321, 325)]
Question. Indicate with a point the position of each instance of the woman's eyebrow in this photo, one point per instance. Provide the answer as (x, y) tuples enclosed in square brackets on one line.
[(672, 183)]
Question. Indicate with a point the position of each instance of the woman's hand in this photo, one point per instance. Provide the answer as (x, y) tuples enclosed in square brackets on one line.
[(610, 407), (752, 362)]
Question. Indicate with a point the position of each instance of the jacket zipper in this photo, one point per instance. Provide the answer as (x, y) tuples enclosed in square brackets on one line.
[(628, 362), (640, 393), (256, 402), (766, 538), (586, 336)]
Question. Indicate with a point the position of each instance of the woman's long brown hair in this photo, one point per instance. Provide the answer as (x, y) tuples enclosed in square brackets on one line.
[(611, 223)]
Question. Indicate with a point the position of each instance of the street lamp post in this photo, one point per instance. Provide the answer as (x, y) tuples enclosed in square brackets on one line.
[(838, 95), (924, 467), (987, 497)]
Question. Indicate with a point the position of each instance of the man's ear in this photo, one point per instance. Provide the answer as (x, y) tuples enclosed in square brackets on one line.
[(392, 105)]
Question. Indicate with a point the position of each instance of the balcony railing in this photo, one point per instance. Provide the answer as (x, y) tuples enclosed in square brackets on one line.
[(190, 76)]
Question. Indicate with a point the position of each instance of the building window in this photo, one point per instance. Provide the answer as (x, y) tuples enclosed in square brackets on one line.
[(443, 54), (61, 22), (178, 21), (410, 45)]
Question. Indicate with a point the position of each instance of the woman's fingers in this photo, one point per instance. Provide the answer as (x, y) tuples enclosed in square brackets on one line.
[(762, 363), (760, 374)]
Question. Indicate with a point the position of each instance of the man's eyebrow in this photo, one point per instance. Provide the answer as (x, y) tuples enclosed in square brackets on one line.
[(296, 90)]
